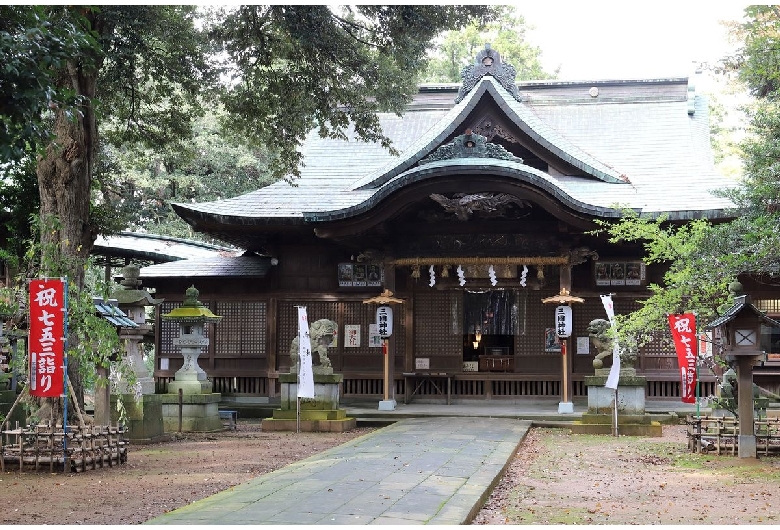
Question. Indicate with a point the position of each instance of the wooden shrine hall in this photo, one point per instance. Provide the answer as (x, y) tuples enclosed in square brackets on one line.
[(489, 209)]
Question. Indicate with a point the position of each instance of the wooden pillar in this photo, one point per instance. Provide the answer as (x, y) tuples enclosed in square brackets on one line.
[(567, 388), (103, 399), (272, 312), (398, 314), (747, 434)]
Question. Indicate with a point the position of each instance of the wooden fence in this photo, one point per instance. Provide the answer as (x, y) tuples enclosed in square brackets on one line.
[(42, 446), (721, 434)]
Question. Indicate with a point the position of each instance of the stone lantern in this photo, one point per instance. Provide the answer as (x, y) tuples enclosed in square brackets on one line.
[(133, 301), (191, 389), (740, 337)]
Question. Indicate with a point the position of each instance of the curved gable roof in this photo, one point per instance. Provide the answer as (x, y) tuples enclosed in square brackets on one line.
[(639, 144), (520, 115)]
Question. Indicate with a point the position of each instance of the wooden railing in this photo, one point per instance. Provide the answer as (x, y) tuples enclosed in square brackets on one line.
[(466, 385)]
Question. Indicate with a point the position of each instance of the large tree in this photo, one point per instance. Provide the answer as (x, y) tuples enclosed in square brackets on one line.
[(140, 74), (297, 68)]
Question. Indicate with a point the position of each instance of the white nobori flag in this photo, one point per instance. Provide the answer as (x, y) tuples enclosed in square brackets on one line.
[(614, 372), (305, 374)]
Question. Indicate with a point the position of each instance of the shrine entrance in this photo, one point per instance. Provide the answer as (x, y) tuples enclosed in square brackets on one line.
[(491, 320)]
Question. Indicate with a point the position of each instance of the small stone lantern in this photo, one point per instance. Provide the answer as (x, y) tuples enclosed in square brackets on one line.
[(191, 316), (740, 335)]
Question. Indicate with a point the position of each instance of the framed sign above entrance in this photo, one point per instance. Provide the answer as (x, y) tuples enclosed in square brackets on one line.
[(360, 275), (616, 273)]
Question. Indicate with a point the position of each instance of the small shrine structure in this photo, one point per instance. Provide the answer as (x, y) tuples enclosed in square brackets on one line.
[(738, 331)]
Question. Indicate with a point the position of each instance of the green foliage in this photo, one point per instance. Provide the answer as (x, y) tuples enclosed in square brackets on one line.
[(758, 60), (296, 68), (19, 202), (704, 258), (155, 76), (33, 50), (137, 184), (506, 34), (695, 280)]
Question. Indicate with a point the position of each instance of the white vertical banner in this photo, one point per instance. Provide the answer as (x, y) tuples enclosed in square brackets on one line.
[(305, 374), (614, 372)]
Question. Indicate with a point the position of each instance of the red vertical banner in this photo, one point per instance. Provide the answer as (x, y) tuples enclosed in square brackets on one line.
[(683, 328), (47, 337)]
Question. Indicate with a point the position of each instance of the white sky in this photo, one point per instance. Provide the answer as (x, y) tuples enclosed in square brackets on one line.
[(628, 39)]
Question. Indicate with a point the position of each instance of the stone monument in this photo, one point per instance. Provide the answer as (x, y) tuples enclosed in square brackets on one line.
[(632, 419), (321, 413), (191, 389)]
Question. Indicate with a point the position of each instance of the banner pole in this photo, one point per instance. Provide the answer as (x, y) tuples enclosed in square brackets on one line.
[(615, 416), (696, 373), (385, 347), (65, 379)]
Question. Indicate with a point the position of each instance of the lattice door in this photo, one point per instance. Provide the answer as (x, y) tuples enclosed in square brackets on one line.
[(438, 323), (242, 330)]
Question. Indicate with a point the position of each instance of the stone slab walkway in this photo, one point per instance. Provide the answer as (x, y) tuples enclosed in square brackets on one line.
[(415, 471)]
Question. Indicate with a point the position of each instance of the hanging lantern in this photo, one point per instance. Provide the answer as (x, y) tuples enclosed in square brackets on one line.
[(384, 321), (563, 321)]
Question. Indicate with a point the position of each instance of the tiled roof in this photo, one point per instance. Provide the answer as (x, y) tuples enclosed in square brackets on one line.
[(638, 144), (741, 303), (155, 248), (112, 313), (222, 266)]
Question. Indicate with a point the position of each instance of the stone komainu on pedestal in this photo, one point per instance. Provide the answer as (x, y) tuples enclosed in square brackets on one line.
[(321, 334), (632, 418), (322, 412)]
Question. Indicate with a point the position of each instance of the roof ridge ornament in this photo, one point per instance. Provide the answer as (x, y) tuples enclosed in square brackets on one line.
[(488, 62), (470, 145)]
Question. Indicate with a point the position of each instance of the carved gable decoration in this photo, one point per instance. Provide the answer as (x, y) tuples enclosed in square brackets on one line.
[(470, 145), (464, 205), (488, 62)]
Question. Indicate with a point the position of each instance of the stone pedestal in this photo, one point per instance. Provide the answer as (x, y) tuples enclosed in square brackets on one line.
[(387, 404), (632, 419), (565, 407), (144, 417), (200, 412), (318, 414)]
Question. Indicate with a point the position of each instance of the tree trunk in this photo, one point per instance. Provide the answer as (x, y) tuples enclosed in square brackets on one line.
[(64, 174)]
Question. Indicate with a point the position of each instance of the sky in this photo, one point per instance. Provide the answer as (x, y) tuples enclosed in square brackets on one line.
[(607, 40)]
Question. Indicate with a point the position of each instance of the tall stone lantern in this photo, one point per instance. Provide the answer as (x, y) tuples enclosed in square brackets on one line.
[(133, 301), (189, 395)]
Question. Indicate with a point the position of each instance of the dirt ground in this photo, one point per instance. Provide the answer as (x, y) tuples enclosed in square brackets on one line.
[(560, 478), (556, 478), (158, 477)]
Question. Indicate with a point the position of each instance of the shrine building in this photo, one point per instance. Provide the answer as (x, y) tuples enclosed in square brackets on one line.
[(490, 208)]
